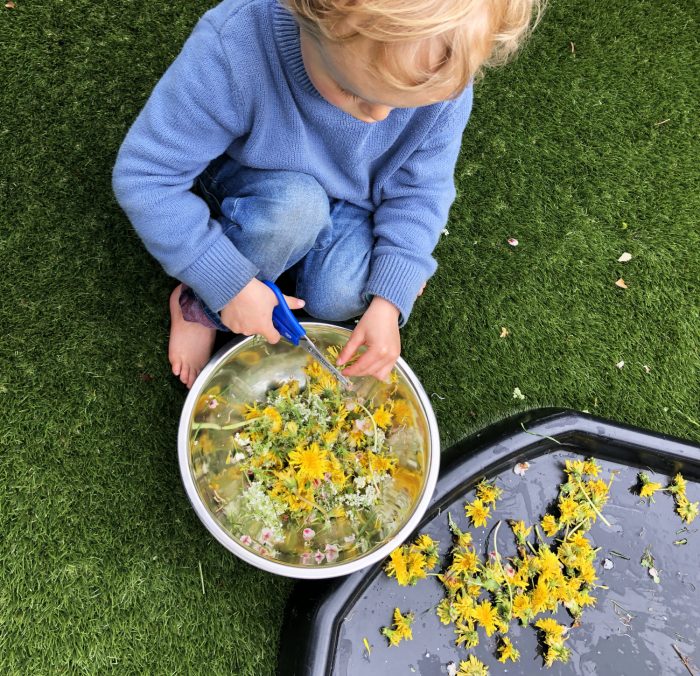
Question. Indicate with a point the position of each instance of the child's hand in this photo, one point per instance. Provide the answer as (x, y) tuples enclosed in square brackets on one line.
[(379, 331), (250, 311)]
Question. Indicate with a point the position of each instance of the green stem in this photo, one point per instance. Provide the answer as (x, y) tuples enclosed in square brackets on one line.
[(503, 572), (369, 464), (590, 502), (214, 426), (541, 436), (572, 531), (311, 503), (374, 425)]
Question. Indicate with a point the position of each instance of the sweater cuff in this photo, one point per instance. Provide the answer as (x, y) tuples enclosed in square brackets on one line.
[(397, 280), (219, 274)]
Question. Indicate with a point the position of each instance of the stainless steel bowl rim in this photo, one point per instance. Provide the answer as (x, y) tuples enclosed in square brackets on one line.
[(290, 570)]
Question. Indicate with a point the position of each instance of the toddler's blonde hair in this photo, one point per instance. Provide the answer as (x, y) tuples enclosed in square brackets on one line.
[(469, 34)]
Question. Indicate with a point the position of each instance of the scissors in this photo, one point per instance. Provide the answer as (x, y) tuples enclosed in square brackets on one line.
[(288, 326)]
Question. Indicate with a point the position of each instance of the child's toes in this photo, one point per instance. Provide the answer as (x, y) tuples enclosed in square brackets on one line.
[(185, 374), (177, 366)]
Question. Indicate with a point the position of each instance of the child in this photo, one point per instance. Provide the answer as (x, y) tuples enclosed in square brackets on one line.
[(318, 137)]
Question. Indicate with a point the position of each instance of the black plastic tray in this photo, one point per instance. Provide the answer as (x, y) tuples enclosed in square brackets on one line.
[(326, 622)]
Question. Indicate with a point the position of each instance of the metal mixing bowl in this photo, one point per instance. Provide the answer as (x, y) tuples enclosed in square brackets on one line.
[(246, 370)]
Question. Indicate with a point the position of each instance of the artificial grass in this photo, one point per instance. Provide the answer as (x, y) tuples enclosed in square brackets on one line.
[(100, 556)]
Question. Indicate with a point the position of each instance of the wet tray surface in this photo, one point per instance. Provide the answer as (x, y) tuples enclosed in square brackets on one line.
[(633, 626)]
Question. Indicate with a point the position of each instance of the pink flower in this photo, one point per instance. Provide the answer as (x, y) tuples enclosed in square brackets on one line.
[(308, 533), (266, 534), (331, 553), (305, 559), (262, 551), (212, 403), (246, 540), (319, 556)]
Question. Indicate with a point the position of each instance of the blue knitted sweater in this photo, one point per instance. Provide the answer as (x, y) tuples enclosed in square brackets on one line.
[(239, 86)]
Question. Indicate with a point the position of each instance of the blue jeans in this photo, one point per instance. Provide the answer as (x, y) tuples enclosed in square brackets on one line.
[(284, 220)]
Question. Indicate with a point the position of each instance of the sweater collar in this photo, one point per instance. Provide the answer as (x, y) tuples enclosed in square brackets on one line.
[(288, 40)]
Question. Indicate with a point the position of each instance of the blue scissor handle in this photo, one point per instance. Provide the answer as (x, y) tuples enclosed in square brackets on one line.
[(283, 319)]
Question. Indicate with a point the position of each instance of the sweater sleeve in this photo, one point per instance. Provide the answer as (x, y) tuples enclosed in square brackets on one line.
[(193, 114), (413, 211)]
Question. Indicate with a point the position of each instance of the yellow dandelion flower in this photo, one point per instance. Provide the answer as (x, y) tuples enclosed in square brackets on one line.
[(648, 490), (478, 512), (397, 566), (567, 509), (338, 512), (465, 563), (416, 563), (331, 436), (521, 607), (251, 412), (550, 525), (357, 436), (467, 634), (380, 464), (463, 606), (382, 417), (401, 411), (597, 489), (464, 540), (539, 596), (311, 463), (401, 629), (678, 485), (289, 390), (403, 623), (551, 627), (488, 492), (587, 572), (472, 667), (290, 429), (508, 651), (687, 510), (485, 614), (591, 467), (520, 531), (274, 416), (574, 467), (313, 369), (548, 562), (424, 541)]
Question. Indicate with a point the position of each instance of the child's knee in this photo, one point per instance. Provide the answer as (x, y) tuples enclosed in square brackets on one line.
[(301, 200), (337, 303), (290, 207)]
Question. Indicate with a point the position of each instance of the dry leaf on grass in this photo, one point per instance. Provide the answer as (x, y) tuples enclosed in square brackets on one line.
[(621, 283), (504, 332), (625, 258)]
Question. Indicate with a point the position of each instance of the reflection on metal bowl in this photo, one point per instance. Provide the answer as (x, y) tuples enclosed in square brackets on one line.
[(241, 374)]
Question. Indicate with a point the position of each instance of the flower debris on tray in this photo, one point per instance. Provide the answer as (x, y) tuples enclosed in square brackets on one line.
[(544, 575), (531, 586)]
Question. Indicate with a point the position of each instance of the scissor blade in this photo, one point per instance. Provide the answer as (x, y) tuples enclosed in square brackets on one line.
[(309, 346)]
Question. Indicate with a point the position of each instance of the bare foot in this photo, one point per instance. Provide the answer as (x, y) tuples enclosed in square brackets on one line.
[(190, 343)]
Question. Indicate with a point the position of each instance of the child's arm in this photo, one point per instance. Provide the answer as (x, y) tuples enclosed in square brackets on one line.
[(407, 226), (193, 114)]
